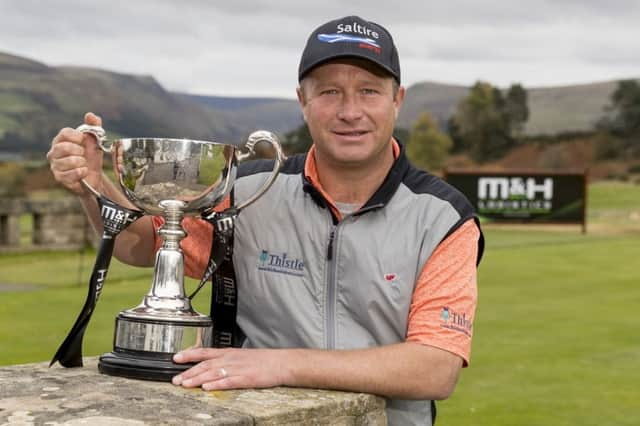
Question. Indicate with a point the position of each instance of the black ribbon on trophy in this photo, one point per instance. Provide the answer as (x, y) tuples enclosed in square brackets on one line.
[(115, 218), (224, 293)]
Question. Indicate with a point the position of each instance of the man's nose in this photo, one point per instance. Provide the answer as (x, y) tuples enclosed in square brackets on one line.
[(350, 108)]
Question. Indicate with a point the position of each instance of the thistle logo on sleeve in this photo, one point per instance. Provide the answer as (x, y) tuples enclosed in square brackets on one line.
[(445, 314), (280, 263), (457, 321)]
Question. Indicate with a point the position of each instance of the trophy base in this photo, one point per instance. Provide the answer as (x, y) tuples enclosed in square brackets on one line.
[(140, 367)]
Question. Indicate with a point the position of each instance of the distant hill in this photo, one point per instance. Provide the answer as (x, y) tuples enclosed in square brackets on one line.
[(439, 99), (567, 108), (229, 103), (552, 110), (277, 115), (36, 100)]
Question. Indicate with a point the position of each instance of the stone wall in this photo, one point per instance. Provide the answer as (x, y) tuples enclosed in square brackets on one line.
[(56, 224), (34, 394)]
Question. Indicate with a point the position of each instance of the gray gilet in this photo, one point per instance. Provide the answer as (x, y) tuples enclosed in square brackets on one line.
[(306, 280)]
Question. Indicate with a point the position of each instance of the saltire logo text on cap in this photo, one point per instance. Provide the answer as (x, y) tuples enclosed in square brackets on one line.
[(343, 38)]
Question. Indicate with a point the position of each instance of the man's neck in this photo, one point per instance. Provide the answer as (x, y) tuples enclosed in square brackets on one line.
[(354, 184)]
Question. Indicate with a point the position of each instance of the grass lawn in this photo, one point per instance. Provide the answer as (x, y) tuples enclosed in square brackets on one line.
[(555, 335)]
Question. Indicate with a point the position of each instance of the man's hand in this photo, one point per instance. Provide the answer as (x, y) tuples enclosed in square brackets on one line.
[(404, 370), (220, 369), (75, 156)]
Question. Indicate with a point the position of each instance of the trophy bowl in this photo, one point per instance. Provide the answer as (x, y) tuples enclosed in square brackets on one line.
[(171, 178), (151, 170)]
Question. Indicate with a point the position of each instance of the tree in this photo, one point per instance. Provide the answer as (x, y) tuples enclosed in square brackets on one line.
[(480, 122), (12, 177), (516, 110), (453, 129), (401, 135), (626, 106), (623, 118), (428, 147), (486, 123), (298, 140)]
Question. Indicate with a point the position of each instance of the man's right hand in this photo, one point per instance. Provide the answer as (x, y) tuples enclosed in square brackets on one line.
[(75, 156)]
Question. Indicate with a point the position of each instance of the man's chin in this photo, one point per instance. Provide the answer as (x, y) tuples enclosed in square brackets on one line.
[(352, 160), (350, 154)]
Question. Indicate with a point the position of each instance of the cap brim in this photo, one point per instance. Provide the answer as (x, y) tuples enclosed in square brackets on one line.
[(319, 62)]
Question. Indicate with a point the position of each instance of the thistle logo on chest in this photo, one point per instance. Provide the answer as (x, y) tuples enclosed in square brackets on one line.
[(280, 263)]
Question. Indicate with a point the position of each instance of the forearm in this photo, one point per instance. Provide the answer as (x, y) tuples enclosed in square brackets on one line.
[(405, 370)]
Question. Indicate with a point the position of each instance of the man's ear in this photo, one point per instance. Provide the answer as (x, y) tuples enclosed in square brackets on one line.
[(303, 102), (300, 94), (399, 98)]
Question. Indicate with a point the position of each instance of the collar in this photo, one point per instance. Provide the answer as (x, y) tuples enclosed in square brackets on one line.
[(312, 186)]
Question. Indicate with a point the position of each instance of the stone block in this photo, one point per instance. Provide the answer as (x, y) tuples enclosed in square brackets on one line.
[(35, 394)]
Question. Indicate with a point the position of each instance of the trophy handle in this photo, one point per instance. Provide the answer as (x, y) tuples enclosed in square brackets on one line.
[(249, 150), (104, 144)]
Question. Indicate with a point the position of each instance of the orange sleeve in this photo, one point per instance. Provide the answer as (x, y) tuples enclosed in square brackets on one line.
[(444, 300), (196, 246)]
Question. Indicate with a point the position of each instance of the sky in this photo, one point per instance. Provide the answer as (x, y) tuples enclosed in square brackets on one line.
[(252, 48)]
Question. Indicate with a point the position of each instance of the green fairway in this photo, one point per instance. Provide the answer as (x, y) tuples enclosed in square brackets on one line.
[(555, 335)]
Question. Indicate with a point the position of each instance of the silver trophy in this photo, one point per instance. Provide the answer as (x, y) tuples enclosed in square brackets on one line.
[(172, 178)]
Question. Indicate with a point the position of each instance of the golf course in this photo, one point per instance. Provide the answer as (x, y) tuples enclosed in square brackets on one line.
[(556, 332)]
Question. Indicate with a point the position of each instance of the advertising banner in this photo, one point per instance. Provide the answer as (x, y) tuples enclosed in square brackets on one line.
[(523, 196)]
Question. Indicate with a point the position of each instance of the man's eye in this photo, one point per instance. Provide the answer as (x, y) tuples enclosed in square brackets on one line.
[(329, 92), (368, 91)]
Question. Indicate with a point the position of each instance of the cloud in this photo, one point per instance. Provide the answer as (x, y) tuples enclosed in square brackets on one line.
[(253, 47)]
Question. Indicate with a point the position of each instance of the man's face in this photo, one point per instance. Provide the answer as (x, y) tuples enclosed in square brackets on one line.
[(351, 109)]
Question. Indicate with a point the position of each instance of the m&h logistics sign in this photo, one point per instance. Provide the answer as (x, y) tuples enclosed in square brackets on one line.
[(523, 196)]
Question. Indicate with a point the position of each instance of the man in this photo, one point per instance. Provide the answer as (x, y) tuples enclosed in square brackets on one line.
[(383, 293)]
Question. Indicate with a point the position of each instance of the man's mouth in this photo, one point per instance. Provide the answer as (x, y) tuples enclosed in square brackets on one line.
[(350, 133)]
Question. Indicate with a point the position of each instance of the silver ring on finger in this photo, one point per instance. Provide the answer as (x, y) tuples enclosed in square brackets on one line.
[(223, 373)]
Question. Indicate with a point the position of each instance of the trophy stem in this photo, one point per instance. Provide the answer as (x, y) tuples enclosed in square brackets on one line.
[(172, 232), (167, 291)]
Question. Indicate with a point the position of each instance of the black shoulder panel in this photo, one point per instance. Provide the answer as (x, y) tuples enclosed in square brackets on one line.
[(420, 182), (292, 165)]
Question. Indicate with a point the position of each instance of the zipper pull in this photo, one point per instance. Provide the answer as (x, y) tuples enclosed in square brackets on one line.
[(331, 238)]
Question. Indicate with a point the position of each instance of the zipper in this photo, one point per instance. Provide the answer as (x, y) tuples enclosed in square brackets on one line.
[(332, 236), (330, 302), (368, 209)]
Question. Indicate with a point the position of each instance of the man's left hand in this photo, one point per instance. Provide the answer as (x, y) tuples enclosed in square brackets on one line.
[(220, 369)]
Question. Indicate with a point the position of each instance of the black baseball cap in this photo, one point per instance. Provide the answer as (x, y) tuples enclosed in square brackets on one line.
[(346, 37)]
